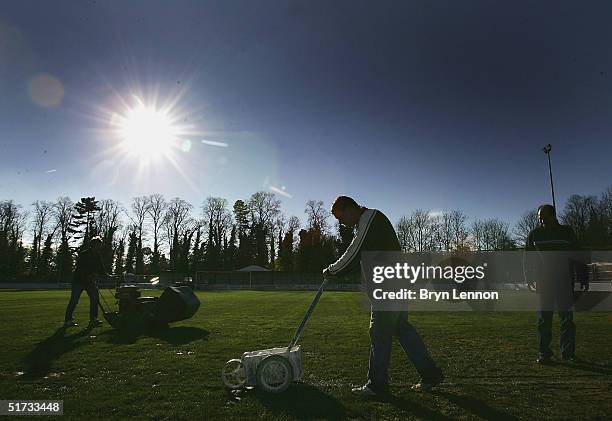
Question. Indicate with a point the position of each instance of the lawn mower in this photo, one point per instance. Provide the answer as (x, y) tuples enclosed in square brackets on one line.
[(272, 370), (176, 303)]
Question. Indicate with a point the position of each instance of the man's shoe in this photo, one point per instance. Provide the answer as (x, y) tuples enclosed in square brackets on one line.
[(571, 359), (544, 361), (70, 323), (93, 323), (425, 385), (365, 391)]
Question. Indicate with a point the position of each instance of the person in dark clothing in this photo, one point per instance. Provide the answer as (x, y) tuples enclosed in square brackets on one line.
[(555, 284), (376, 233), (89, 268)]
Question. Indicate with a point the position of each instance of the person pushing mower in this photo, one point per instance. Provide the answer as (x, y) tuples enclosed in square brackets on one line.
[(376, 233), (89, 268)]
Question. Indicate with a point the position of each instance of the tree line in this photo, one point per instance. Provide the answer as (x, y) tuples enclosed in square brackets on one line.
[(155, 234)]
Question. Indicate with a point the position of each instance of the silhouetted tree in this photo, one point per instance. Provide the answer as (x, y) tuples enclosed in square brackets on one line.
[(264, 208), (62, 214), (139, 211), (231, 251), (12, 226), (156, 210), (417, 231), (130, 259), (119, 258), (46, 258), (82, 223), (527, 222), (176, 222), (245, 251), (42, 218)]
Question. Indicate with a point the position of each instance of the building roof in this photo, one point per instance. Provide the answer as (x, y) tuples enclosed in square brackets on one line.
[(253, 268)]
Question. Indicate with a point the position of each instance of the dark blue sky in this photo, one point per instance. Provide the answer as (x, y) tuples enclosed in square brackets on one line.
[(404, 105)]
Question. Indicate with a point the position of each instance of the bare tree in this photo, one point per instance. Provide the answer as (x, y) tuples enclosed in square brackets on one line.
[(527, 223), (417, 231), (176, 223), (605, 203), (445, 231), (264, 207), (156, 211), (217, 215), (42, 216), (13, 221), (605, 209), (108, 219), (108, 222), (317, 216), (294, 225), (62, 215), (478, 236), (139, 212), (491, 234), (460, 230), (578, 212)]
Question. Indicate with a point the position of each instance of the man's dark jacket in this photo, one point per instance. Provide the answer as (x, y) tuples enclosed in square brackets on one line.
[(88, 263)]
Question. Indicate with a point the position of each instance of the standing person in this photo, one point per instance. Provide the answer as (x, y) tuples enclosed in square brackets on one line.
[(556, 285), (89, 268), (376, 233)]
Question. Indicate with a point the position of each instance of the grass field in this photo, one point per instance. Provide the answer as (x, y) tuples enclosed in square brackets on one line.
[(173, 373)]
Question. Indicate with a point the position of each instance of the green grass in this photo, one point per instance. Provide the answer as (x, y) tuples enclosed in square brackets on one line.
[(174, 373)]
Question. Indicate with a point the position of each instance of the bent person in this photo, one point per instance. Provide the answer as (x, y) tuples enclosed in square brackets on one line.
[(376, 233), (89, 268)]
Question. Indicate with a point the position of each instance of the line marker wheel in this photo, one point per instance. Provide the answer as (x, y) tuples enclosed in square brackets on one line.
[(233, 374), (274, 374)]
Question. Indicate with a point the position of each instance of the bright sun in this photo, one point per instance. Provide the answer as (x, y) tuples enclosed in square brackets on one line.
[(147, 132)]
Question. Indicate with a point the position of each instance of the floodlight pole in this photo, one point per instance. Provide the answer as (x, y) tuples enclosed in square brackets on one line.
[(546, 149)]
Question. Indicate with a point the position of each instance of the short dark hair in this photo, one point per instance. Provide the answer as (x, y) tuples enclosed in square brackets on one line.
[(343, 202), (547, 209), (96, 239)]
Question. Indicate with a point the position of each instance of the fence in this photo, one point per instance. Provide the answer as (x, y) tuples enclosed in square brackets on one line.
[(268, 280)]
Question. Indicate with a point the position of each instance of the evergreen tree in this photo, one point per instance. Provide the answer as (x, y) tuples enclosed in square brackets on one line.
[(64, 261), (231, 251), (119, 258), (33, 255), (46, 258), (286, 253), (244, 255), (130, 258), (82, 224), (213, 254), (197, 254)]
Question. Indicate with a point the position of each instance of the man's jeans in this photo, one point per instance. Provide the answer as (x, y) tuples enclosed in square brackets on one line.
[(567, 333), (77, 289), (556, 296), (384, 325)]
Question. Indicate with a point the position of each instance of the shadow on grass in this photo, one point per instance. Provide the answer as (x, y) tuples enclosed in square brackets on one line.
[(412, 407), (584, 365), (39, 360), (475, 406), (179, 335), (301, 401)]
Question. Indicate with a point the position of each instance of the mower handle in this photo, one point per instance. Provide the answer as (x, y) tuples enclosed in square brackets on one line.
[(313, 304)]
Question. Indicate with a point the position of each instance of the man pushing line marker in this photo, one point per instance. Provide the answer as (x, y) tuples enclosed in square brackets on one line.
[(376, 233)]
